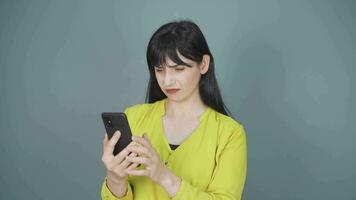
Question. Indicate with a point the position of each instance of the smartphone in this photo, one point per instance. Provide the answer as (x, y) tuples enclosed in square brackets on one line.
[(114, 121)]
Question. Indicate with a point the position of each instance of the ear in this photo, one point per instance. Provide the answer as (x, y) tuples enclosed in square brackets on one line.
[(204, 65)]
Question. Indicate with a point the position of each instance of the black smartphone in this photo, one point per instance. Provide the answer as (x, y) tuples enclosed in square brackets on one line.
[(114, 121)]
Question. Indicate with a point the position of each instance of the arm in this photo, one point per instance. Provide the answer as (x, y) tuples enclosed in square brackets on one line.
[(112, 190), (229, 175), (116, 191)]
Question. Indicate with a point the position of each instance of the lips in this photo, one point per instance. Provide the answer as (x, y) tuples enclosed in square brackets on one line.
[(171, 91)]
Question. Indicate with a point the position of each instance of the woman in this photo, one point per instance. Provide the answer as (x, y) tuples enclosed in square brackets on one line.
[(191, 149)]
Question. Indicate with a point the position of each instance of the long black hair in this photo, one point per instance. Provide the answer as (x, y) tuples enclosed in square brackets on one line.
[(186, 38)]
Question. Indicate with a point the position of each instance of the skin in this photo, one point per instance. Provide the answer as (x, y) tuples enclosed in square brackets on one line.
[(180, 105), (116, 166), (183, 102)]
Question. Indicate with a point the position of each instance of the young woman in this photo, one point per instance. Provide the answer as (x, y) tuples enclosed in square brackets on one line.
[(187, 145)]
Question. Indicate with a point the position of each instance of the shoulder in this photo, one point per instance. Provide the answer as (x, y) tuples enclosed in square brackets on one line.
[(230, 130), (227, 123), (137, 108), (141, 111)]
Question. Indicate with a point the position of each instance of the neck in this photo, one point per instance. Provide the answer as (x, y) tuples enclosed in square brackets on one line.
[(192, 106)]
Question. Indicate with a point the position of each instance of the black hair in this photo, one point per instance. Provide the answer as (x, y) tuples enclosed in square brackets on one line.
[(186, 38)]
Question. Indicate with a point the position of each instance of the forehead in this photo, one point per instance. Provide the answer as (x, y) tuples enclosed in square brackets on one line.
[(170, 63)]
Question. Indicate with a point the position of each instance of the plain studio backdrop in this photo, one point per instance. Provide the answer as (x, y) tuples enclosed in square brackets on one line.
[(286, 70)]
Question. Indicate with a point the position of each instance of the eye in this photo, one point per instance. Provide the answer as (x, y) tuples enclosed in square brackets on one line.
[(158, 69), (179, 69)]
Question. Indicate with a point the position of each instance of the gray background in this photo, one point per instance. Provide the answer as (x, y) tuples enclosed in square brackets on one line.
[(285, 69)]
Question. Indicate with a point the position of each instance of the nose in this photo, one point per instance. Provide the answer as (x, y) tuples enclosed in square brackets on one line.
[(168, 79)]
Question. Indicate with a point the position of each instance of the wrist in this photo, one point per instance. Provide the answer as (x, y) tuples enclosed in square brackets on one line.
[(115, 179), (171, 183), (117, 187)]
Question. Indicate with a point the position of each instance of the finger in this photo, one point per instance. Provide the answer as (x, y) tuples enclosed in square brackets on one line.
[(121, 155), (141, 150), (139, 160), (105, 140), (125, 164), (128, 164), (110, 145), (132, 154), (132, 166), (141, 172), (141, 141), (115, 138), (145, 136)]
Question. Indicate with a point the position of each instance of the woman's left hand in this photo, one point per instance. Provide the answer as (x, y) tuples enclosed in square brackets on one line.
[(154, 167)]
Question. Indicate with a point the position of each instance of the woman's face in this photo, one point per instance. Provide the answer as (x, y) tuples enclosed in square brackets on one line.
[(179, 82)]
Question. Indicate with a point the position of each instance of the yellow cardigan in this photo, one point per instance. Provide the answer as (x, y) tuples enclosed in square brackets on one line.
[(211, 161)]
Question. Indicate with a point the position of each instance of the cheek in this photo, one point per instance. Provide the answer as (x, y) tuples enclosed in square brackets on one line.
[(190, 79), (159, 79)]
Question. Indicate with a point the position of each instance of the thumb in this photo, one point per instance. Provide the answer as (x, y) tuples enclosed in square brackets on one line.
[(145, 136)]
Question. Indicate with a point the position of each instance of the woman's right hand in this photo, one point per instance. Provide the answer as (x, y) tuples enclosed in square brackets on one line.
[(116, 166)]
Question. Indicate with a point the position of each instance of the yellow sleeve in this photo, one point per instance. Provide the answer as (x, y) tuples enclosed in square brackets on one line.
[(229, 175), (107, 195)]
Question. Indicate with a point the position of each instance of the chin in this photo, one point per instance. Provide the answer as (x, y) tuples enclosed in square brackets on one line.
[(176, 98)]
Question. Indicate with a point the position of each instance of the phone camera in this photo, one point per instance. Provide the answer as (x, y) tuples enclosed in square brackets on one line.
[(108, 123)]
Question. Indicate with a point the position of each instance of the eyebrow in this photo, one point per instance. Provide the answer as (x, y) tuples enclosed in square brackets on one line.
[(170, 66)]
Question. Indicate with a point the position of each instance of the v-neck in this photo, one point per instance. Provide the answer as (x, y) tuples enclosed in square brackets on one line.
[(162, 111)]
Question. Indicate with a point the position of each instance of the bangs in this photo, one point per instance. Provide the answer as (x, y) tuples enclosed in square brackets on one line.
[(163, 48)]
